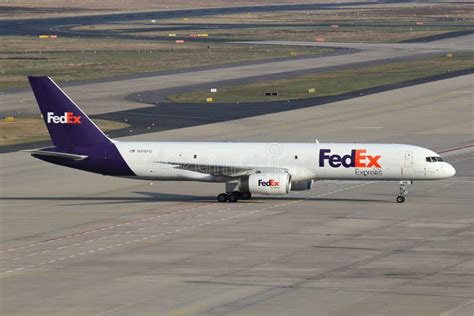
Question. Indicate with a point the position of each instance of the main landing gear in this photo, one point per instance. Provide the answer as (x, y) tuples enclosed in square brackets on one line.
[(234, 196), (403, 191)]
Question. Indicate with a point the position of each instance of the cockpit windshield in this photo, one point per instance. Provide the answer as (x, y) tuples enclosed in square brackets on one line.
[(434, 159)]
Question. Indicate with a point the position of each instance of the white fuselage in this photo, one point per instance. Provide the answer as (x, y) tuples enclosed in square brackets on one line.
[(245, 168), (304, 161)]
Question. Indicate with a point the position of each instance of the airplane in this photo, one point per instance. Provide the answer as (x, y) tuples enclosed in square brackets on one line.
[(245, 168)]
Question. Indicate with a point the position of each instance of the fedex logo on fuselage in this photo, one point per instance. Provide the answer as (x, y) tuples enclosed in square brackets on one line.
[(269, 183), (356, 159), (67, 118)]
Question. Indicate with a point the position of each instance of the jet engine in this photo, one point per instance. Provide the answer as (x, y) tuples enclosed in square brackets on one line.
[(266, 183)]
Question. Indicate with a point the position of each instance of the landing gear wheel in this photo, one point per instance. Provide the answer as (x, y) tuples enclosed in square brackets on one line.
[(403, 191), (238, 194), (222, 197), (245, 195), (233, 197)]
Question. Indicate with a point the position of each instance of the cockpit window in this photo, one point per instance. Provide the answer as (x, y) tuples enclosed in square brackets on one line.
[(434, 159)]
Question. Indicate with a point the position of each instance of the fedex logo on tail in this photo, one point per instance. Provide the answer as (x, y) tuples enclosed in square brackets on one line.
[(269, 183), (356, 159), (67, 118)]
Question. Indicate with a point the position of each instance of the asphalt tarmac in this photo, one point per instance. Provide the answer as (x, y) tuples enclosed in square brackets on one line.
[(67, 26), (119, 99), (109, 96), (127, 98), (77, 243), (62, 25)]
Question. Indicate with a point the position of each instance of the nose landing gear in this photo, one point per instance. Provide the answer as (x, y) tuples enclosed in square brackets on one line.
[(403, 191)]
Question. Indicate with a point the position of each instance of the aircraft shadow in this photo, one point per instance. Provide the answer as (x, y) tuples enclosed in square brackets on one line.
[(94, 200), (322, 199), (147, 197)]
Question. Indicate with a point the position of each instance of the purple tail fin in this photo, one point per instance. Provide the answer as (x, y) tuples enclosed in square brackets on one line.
[(66, 123)]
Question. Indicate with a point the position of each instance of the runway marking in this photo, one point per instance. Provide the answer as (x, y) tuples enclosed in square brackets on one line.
[(104, 228), (456, 309), (190, 227), (119, 234), (456, 148), (459, 160), (124, 224), (457, 181), (367, 127), (25, 101), (152, 226), (462, 91)]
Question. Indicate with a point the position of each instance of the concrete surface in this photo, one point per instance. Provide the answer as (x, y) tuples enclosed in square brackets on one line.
[(109, 96), (76, 243)]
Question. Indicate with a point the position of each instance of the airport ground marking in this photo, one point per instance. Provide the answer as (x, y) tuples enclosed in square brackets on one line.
[(103, 228), (137, 240), (175, 221), (463, 159), (119, 234), (117, 225), (457, 309), (456, 148)]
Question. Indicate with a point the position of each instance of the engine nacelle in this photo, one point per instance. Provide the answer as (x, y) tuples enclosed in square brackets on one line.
[(266, 183), (302, 185)]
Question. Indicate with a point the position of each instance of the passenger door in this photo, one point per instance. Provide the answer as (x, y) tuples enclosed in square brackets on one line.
[(408, 159)]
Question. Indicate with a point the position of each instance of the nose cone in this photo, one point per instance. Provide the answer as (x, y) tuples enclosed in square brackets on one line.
[(449, 170)]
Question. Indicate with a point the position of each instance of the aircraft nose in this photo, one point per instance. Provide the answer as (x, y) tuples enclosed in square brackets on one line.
[(450, 171)]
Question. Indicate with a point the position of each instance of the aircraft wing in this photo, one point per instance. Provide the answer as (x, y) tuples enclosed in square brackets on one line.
[(223, 170)]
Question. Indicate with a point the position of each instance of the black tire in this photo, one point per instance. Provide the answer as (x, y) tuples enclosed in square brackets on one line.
[(245, 195), (238, 194), (400, 199), (222, 197), (232, 198)]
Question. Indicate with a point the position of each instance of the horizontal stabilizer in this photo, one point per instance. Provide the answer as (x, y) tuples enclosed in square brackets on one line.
[(46, 153)]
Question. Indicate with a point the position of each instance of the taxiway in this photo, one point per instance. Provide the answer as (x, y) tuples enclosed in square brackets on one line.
[(79, 243)]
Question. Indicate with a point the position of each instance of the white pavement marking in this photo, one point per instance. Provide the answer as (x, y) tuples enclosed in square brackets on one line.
[(137, 240), (120, 225), (462, 91), (367, 127), (116, 235), (103, 228), (457, 309), (459, 160)]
